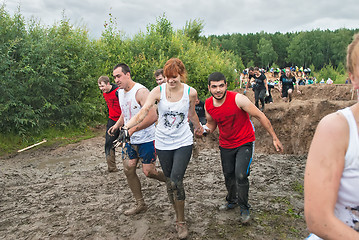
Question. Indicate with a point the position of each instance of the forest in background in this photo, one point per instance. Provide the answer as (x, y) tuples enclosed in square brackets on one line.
[(48, 75)]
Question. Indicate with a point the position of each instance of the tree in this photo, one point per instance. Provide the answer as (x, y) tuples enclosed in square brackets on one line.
[(266, 53)]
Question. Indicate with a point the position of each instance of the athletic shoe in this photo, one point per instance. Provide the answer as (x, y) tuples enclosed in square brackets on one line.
[(245, 216), (228, 206)]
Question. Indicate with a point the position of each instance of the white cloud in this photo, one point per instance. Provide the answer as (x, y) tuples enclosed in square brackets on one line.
[(219, 16)]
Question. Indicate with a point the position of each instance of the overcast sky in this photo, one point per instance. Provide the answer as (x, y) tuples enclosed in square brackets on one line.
[(219, 16)]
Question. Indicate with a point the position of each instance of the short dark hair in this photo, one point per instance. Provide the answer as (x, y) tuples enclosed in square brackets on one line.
[(216, 77), (159, 72), (250, 69), (125, 68), (104, 79)]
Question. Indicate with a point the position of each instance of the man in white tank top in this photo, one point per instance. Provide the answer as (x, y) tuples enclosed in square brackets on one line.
[(132, 97)]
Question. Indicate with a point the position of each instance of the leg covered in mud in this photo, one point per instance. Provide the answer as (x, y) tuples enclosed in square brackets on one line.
[(129, 166)]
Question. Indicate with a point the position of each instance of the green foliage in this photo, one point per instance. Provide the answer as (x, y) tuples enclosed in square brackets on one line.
[(316, 47), (47, 76), (328, 71), (266, 52)]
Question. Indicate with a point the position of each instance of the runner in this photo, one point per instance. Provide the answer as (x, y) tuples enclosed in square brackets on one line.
[(110, 95), (260, 88), (159, 76), (287, 82), (174, 139), (229, 110), (331, 196), (132, 96)]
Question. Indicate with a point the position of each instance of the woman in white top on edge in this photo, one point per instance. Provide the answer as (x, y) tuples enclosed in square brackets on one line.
[(331, 181), (174, 139)]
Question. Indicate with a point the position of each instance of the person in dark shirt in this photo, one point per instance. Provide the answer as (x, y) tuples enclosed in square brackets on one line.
[(287, 82), (110, 95), (260, 87)]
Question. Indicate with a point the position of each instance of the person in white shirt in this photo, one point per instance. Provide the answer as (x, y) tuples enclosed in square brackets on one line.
[(331, 180), (132, 97), (174, 139)]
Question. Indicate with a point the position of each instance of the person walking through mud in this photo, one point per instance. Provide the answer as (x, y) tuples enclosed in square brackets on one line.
[(132, 97), (174, 139), (260, 88), (331, 196), (110, 95), (230, 112), (159, 76), (287, 82)]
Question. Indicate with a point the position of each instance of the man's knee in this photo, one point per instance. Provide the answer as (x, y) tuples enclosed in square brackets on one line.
[(129, 167), (242, 178)]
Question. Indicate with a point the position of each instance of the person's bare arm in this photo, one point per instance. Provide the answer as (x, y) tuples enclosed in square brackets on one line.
[(245, 104), (211, 123), (116, 126), (147, 115), (192, 115), (322, 177)]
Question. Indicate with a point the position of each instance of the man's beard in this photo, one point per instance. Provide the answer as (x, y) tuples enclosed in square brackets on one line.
[(225, 92)]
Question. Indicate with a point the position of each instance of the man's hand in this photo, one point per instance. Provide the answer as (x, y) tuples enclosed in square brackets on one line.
[(123, 138), (278, 145)]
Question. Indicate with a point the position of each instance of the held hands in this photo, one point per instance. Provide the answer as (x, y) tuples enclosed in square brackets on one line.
[(267, 93), (123, 137)]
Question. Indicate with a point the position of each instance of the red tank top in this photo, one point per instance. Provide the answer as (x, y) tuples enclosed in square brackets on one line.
[(235, 128), (114, 110)]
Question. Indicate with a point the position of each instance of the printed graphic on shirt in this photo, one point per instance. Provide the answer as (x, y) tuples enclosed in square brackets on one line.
[(354, 213), (173, 118)]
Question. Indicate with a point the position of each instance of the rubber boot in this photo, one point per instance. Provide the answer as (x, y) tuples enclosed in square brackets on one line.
[(111, 162), (181, 225)]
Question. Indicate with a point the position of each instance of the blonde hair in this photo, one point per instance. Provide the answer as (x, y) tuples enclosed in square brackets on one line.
[(353, 54), (175, 67)]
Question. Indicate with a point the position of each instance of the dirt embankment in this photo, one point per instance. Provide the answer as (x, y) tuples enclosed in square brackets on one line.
[(66, 193)]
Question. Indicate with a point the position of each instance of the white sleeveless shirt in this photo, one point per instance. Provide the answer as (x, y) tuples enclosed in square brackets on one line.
[(347, 206), (130, 107), (172, 130)]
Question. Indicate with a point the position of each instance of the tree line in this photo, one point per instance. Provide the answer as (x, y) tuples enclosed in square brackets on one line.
[(317, 47)]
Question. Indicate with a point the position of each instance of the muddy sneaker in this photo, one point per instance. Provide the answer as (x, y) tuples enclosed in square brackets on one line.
[(182, 230), (245, 216), (138, 208), (228, 206)]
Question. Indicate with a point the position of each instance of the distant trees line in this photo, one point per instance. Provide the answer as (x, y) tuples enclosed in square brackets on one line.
[(317, 47)]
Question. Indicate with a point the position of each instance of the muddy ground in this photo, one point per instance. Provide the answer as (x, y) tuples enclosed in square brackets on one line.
[(66, 193)]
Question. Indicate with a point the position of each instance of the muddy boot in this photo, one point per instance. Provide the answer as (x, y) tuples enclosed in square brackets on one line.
[(111, 162), (182, 230), (139, 207), (181, 225)]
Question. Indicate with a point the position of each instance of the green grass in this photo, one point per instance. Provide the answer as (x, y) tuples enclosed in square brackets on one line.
[(12, 143)]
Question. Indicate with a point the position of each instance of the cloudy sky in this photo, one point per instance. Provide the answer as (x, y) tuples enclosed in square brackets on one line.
[(219, 16)]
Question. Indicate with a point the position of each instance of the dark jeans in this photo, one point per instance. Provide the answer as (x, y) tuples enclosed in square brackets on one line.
[(236, 168), (174, 164), (259, 94), (109, 138)]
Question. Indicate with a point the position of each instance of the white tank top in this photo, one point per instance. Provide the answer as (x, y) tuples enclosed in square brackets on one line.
[(347, 206), (130, 107), (172, 130)]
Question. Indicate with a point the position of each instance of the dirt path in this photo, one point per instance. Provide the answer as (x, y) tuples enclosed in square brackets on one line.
[(66, 193)]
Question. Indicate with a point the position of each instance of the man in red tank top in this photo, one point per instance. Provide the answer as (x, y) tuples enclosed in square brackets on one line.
[(109, 92), (230, 112)]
